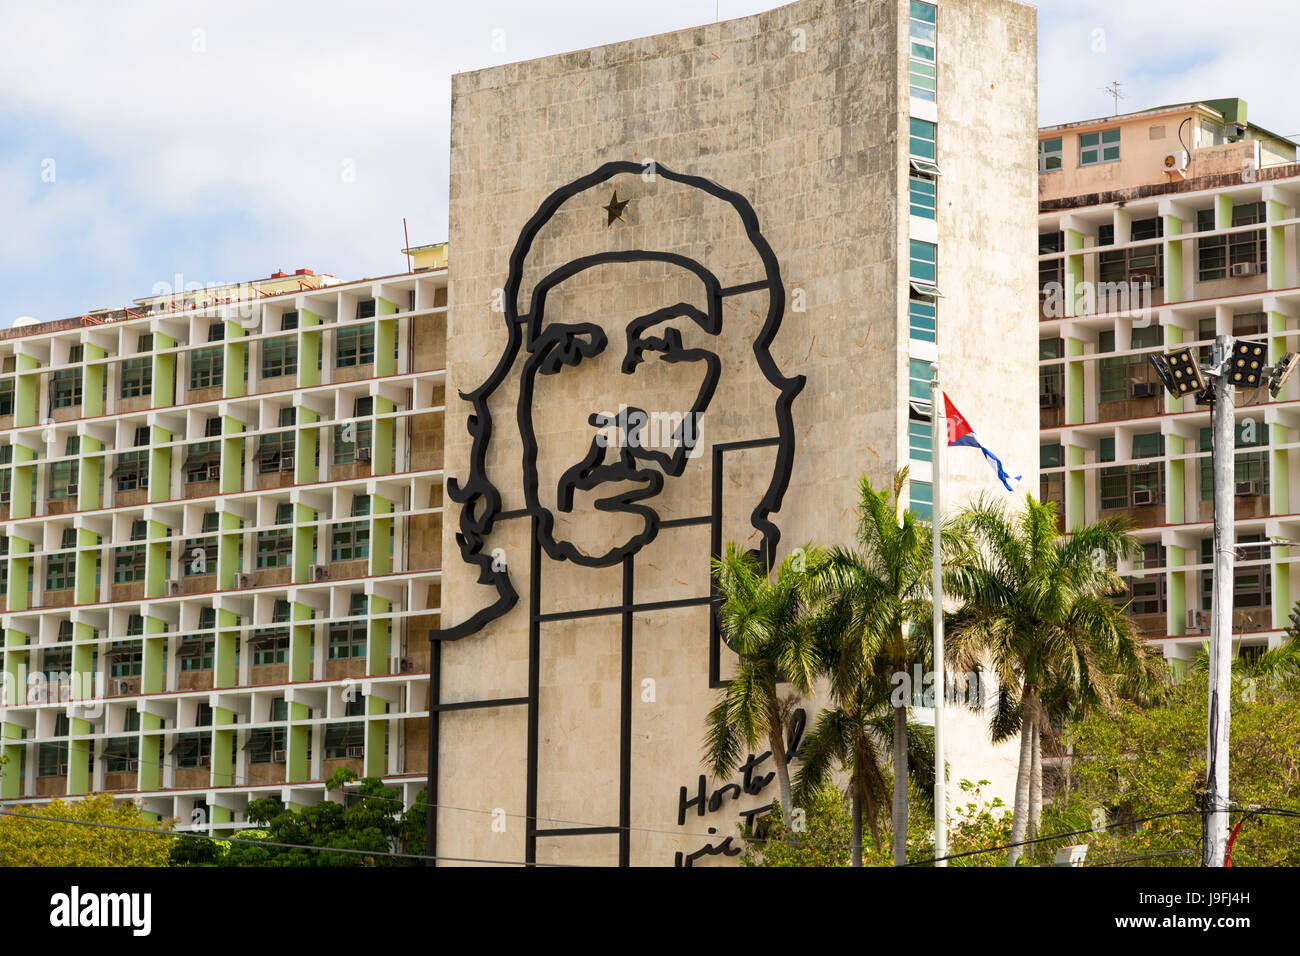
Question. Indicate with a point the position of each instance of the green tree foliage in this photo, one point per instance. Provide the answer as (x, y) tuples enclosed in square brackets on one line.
[(1038, 606), (38, 842), (824, 839), (374, 821), (1141, 763), (766, 622)]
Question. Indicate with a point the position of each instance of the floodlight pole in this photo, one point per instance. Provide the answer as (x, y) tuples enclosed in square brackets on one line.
[(1220, 689), (938, 438)]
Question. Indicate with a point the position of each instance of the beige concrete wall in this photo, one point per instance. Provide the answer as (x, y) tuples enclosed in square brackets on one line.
[(988, 238), (800, 111)]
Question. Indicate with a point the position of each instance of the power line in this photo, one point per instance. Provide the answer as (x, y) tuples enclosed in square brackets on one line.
[(1058, 836)]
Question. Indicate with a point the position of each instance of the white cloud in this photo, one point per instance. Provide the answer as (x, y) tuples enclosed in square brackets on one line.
[(219, 154)]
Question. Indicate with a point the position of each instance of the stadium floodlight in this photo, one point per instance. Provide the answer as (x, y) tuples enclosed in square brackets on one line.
[(1281, 372), (1178, 372), (1246, 364)]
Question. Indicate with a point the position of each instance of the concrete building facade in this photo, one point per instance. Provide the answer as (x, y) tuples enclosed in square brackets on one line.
[(1160, 228), (807, 207), (221, 510)]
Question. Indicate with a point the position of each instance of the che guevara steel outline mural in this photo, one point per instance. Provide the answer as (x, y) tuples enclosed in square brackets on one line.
[(547, 350)]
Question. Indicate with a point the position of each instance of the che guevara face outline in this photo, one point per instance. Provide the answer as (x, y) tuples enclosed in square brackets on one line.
[(554, 346)]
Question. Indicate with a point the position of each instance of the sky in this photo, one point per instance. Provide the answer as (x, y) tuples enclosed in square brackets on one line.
[(178, 142)]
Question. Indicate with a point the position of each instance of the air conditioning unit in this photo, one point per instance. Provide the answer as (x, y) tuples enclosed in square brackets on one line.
[(214, 472), (1195, 622), (286, 462), (243, 580), (1144, 390), (356, 750), (1175, 161), (363, 454), (174, 586), (320, 572), (407, 665), (1241, 270), (1142, 496), (277, 756), (72, 489), (123, 687), (1247, 488), (1049, 400)]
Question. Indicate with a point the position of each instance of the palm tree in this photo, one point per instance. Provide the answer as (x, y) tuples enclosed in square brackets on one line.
[(858, 736), (874, 623), (1038, 607), (766, 623)]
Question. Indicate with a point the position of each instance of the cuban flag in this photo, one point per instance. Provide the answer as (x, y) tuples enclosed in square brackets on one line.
[(960, 433)]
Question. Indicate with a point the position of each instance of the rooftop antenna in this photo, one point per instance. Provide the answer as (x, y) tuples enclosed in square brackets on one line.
[(1113, 91)]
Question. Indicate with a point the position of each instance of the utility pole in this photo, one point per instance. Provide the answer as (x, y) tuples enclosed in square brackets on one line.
[(1225, 558), (938, 438), (1234, 363)]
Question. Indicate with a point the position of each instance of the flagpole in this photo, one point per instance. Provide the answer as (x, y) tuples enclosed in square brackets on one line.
[(937, 437)]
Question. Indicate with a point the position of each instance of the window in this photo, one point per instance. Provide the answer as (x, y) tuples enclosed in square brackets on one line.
[(921, 318), (1250, 467), (271, 646), (348, 638), (200, 555), (65, 384), (1117, 376), (279, 357), (1125, 265), (918, 380), (1051, 378), (217, 332), (207, 366), (1051, 270), (354, 345), (132, 470), (1099, 147), (922, 138), (921, 190), (52, 759), (353, 436), (197, 653), (921, 499), (7, 397), (922, 66), (64, 474), (923, 261), (1216, 254), (275, 547), (1252, 583), (126, 658), (1144, 594), (919, 438), (137, 377), (351, 539), (1049, 155), (128, 561), (288, 321), (275, 453), (262, 744), (61, 568)]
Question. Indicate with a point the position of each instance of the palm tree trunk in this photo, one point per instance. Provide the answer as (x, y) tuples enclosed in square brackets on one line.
[(900, 786), (857, 825), (1020, 815), (1036, 784), (776, 741)]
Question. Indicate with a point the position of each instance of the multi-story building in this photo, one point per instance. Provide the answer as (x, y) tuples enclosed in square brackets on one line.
[(770, 227), (1160, 228), (221, 518)]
